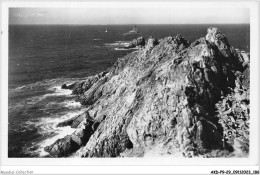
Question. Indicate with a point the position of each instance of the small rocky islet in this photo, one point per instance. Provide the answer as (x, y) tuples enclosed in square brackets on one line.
[(171, 97)]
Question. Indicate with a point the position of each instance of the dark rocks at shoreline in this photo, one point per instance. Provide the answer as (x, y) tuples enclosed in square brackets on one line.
[(69, 144), (62, 147), (79, 88), (111, 147), (73, 122), (137, 42), (141, 42), (164, 94), (65, 86)]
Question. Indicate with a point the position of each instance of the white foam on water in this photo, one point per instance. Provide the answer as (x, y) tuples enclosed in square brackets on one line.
[(58, 91), (33, 100), (47, 126), (123, 42), (119, 43), (49, 82), (61, 132), (125, 48), (47, 123), (20, 87), (111, 44), (71, 104)]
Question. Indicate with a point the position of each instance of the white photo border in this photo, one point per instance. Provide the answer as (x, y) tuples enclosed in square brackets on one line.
[(105, 165)]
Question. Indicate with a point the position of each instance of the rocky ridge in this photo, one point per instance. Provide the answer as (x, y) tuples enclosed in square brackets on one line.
[(168, 96)]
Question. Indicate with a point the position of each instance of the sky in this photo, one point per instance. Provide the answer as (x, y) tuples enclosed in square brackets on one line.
[(128, 15)]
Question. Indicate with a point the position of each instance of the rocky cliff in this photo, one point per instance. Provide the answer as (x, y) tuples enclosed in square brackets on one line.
[(170, 97)]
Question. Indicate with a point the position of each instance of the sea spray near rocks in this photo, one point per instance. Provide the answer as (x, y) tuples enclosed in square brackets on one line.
[(164, 97)]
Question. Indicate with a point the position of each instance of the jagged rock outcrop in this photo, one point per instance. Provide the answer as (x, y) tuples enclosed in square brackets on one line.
[(137, 42), (79, 88), (141, 42), (234, 117), (162, 97), (74, 122), (71, 143)]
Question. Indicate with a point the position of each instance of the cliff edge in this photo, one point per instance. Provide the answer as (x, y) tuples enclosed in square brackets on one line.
[(171, 97)]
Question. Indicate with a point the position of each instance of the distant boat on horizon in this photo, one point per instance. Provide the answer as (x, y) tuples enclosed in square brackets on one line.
[(133, 31), (106, 30)]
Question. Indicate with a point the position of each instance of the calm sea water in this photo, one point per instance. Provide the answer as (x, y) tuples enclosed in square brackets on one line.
[(42, 58)]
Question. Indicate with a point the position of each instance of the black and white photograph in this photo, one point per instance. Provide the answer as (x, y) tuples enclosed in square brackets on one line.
[(129, 81)]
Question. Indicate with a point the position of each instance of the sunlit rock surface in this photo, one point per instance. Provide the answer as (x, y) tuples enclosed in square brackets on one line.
[(161, 100)]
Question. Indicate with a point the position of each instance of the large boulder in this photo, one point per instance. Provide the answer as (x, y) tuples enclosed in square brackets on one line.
[(69, 144), (62, 147)]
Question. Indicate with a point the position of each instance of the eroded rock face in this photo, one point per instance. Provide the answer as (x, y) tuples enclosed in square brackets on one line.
[(164, 94), (62, 147), (80, 87), (137, 42), (218, 39), (74, 122), (69, 144)]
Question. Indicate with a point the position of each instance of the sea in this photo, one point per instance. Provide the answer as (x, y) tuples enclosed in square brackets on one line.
[(44, 57)]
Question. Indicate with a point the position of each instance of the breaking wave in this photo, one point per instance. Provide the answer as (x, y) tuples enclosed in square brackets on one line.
[(47, 127), (118, 44), (40, 107)]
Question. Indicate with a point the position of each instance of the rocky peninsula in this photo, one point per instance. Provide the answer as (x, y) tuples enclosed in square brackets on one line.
[(170, 98)]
